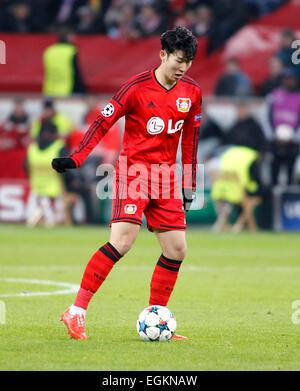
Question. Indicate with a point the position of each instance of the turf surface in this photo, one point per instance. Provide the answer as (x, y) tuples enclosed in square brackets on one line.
[(233, 299)]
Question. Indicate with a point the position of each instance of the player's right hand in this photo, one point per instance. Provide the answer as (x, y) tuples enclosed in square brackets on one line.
[(60, 164)]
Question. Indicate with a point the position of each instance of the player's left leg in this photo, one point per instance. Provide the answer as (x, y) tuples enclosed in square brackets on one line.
[(173, 245), (166, 218)]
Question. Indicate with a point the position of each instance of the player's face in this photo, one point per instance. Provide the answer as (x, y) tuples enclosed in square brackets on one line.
[(175, 65)]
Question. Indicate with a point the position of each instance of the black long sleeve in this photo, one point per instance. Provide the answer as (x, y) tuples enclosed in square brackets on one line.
[(79, 86)]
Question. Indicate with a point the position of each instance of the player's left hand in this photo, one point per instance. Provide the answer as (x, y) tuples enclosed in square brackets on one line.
[(188, 197), (60, 164)]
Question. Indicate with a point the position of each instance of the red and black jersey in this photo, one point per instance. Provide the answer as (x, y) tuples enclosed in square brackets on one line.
[(155, 118)]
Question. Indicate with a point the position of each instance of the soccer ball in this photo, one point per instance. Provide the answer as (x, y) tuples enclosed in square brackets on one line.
[(156, 323)]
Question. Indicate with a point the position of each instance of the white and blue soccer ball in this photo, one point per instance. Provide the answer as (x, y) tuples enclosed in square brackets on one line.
[(156, 323)]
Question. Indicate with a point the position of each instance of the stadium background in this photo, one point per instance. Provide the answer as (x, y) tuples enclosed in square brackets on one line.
[(237, 295), (117, 39)]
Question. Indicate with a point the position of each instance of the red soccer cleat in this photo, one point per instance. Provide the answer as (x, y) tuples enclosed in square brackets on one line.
[(177, 336), (75, 324)]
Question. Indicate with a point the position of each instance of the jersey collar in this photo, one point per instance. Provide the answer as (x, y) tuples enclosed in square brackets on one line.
[(161, 86)]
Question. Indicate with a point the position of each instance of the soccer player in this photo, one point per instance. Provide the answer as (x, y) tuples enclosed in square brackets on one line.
[(159, 106)]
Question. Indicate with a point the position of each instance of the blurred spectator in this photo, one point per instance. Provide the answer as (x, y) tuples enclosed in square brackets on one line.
[(48, 15), (127, 26), (284, 117), (88, 22), (285, 53), (120, 20), (4, 4), (79, 182), (19, 121), (229, 16), (65, 12), (46, 184), (45, 13), (237, 185), (159, 5), (50, 115), (19, 18), (274, 79), (264, 7), (28, 15), (186, 19), (211, 137), (86, 13), (62, 75), (150, 22), (246, 131), (233, 82), (198, 20), (176, 7), (204, 20), (113, 16), (14, 140)]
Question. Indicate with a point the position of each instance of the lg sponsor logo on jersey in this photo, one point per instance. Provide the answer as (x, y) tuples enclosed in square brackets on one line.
[(156, 125)]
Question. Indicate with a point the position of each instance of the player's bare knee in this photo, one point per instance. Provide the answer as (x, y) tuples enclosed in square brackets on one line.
[(123, 236), (181, 252), (177, 252), (123, 244)]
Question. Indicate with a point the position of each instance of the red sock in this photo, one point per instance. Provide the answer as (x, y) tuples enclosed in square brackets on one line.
[(163, 280), (95, 273)]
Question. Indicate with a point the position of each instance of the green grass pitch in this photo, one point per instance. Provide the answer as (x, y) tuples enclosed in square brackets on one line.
[(233, 299)]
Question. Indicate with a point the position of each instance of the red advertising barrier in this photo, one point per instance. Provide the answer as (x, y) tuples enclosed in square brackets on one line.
[(18, 204), (14, 200), (106, 63)]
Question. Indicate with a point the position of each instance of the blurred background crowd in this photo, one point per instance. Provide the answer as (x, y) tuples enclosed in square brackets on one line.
[(250, 132), (134, 18)]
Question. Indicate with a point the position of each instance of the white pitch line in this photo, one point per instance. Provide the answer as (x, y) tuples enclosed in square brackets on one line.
[(70, 288), (73, 288), (42, 268)]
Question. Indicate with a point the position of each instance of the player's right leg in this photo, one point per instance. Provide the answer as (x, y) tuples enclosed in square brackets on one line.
[(122, 236), (173, 245)]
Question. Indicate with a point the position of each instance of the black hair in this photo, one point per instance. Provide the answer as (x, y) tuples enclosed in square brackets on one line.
[(64, 33), (180, 38), (48, 103)]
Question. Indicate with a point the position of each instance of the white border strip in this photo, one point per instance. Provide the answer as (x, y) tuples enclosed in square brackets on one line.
[(189, 268)]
